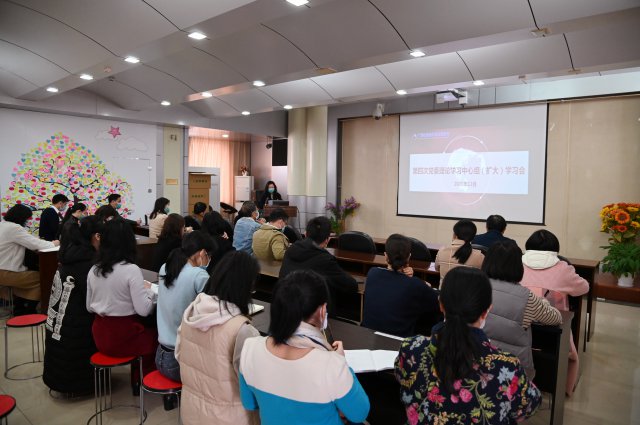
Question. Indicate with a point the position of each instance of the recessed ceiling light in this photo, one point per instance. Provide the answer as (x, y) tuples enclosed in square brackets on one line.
[(298, 2), (197, 35), (52, 89), (165, 103), (478, 83), (87, 77), (401, 92), (417, 53), (206, 94), (258, 83), (226, 136), (245, 113), (131, 59), (288, 107)]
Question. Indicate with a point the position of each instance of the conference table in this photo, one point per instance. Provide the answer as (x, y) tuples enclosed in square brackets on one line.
[(48, 262), (550, 355)]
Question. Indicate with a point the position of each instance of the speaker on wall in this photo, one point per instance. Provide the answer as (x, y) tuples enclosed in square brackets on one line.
[(279, 152)]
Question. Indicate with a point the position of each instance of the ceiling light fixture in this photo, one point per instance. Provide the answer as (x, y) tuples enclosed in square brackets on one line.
[(478, 83), (401, 92), (226, 136), (87, 77), (417, 53), (245, 113), (287, 107), (259, 83), (197, 35), (165, 103), (131, 59), (206, 94), (52, 89), (298, 2)]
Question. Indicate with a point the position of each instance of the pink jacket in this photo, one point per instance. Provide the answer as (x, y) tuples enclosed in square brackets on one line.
[(549, 277)]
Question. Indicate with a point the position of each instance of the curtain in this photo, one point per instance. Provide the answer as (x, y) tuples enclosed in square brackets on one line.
[(207, 148)]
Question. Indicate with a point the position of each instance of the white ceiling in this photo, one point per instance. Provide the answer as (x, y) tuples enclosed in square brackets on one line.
[(327, 52)]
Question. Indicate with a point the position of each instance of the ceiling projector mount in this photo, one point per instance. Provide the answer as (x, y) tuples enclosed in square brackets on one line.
[(452, 95)]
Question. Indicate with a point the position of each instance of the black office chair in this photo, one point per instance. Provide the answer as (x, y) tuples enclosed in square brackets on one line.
[(228, 210), (419, 250), (292, 234), (483, 249), (356, 241)]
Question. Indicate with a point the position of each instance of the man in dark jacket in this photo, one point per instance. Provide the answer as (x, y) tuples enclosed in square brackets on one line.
[(310, 254), (496, 225), (51, 217)]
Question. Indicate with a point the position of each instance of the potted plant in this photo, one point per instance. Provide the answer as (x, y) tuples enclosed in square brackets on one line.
[(622, 222), (244, 170), (623, 261), (339, 213)]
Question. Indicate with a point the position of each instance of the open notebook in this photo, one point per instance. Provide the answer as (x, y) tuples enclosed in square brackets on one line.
[(370, 360)]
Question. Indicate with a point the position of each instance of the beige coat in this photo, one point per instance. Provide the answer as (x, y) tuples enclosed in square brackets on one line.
[(269, 243), (445, 260), (208, 364)]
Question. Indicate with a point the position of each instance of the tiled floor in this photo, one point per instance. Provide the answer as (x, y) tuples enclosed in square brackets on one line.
[(608, 392)]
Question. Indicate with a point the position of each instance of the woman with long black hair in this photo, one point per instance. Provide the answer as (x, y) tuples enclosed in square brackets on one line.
[(460, 253), (73, 214), (457, 374), (270, 194), (158, 216)]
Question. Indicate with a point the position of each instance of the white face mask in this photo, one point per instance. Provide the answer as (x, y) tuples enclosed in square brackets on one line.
[(325, 322), (484, 322)]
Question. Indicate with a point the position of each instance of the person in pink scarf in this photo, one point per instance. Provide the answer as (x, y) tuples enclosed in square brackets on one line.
[(548, 276)]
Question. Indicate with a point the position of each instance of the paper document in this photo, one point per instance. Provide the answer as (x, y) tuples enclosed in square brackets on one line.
[(255, 308), (399, 338), (55, 248), (370, 360), (154, 287)]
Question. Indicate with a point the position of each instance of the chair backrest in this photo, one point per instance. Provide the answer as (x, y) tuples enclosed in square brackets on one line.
[(292, 234), (419, 250), (480, 248), (356, 241)]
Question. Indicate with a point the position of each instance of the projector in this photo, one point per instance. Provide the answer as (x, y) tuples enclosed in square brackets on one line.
[(451, 95)]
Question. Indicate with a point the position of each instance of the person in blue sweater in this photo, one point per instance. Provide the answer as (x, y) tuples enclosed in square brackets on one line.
[(394, 299), (296, 356)]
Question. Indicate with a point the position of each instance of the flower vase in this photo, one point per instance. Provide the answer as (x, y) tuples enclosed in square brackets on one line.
[(244, 173), (625, 280), (342, 225)]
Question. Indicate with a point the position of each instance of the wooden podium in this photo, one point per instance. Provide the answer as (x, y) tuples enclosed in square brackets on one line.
[(291, 210)]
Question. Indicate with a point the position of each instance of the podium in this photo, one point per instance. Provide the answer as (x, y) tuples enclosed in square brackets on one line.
[(291, 210)]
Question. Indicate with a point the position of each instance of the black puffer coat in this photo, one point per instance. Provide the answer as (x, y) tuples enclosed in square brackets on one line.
[(69, 341)]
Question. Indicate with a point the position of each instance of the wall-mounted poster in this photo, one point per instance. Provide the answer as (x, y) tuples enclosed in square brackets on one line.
[(85, 159)]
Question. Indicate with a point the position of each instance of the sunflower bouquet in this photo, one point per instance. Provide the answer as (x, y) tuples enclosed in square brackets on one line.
[(621, 221)]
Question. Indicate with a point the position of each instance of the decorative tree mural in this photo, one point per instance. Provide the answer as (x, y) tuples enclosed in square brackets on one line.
[(61, 165)]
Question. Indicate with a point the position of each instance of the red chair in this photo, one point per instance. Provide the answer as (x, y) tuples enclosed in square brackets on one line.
[(102, 365), (35, 322), (157, 383), (7, 404)]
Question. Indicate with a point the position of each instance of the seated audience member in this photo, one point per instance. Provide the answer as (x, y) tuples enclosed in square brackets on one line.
[(496, 225), (158, 216), (514, 306), (14, 240), (51, 217), (106, 213), (270, 194), (245, 227), (457, 374), (181, 279), (194, 221), (460, 253), (114, 201), (121, 299), (210, 339), (220, 230), (269, 243), (395, 299), (169, 239), (69, 341), (549, 277), (73, 216), (296, 355), (310, 254)]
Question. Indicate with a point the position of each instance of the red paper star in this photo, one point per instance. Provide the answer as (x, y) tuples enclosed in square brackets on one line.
[(115, 132)]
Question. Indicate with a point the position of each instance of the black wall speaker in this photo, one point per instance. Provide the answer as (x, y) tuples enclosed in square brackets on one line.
[(279, 152)]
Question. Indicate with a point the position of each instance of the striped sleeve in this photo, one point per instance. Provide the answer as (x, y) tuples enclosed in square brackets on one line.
[(539, 310)]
